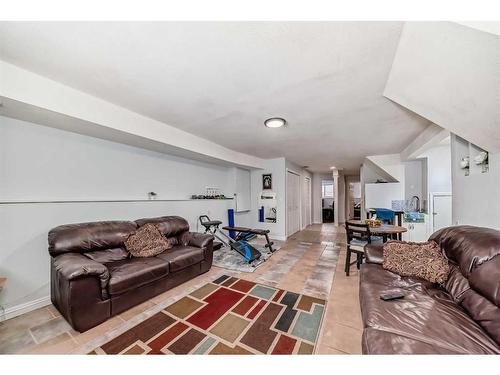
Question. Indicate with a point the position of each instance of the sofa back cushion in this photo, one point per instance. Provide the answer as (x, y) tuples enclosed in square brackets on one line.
[(88, 237), (475, 256), (170, 226), (476, 251), (468, 246)]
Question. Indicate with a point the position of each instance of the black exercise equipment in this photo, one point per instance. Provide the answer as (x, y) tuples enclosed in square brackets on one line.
[(243, 248), (211, 226), (258, 232)]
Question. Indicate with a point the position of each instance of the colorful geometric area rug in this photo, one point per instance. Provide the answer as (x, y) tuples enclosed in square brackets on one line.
[(227, 316)]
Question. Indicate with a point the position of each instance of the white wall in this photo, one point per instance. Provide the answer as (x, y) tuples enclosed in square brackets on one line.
[(41, 163), (277, 167), (414, 179), (475, 197), (438, 168)]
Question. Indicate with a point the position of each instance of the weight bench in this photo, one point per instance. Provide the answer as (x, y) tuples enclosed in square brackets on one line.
[(258, 232)]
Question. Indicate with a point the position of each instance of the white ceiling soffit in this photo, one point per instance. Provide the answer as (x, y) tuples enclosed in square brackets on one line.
[(31, 97), (450, 74), (389, 166), (489, 27), (221, 80), (433, 135)]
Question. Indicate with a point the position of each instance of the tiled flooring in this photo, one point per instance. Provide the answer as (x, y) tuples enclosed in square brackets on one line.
[(303, 265)]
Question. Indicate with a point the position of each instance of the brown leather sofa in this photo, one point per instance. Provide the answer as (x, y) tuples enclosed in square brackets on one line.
[(93, 277), (461, 317)]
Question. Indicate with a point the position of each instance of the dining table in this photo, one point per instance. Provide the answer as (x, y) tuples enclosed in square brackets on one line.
[(386, 231)]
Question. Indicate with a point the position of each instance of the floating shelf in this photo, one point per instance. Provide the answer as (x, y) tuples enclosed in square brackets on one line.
[(105, 201)]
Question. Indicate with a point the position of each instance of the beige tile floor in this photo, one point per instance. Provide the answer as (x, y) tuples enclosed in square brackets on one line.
[(44, 331)]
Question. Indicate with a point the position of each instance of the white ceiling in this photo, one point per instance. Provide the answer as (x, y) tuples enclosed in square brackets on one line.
[(222, 80)]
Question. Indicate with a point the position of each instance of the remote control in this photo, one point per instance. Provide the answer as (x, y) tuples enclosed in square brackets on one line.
[(392, 296)]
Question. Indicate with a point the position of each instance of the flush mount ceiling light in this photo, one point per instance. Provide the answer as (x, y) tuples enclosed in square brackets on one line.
[(275, 122)]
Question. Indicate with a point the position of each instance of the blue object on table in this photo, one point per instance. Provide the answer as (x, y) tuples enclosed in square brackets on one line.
[(230, 221), (385, 215)]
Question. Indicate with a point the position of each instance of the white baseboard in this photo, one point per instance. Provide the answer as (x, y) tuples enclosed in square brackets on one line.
[(23, 308), (277, 238)]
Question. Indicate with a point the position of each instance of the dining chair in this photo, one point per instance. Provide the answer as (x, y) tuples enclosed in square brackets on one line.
[(358, 236)]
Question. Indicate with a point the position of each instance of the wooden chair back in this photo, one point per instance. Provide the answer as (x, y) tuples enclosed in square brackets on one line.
[(357, 231)]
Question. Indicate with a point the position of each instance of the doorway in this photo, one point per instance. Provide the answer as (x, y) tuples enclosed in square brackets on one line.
[(327, 201), (441, 211), (292, 203)]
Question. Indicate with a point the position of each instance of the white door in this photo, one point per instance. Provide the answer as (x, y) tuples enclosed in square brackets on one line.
[(306, 203), (293, 202), (441, 211)]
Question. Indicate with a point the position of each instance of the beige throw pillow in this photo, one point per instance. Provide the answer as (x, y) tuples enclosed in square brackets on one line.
[(424, 260), (147, 241)]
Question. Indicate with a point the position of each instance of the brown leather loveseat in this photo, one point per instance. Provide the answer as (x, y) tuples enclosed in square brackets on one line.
[(460, 317), (93, 277)]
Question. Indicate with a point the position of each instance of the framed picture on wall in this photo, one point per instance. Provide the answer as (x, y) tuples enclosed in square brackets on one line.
[(267, 181)]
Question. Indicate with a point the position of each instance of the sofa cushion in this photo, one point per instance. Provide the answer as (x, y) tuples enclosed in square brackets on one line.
[(180, 257), (374, 253), (132, 273), (424, 260), (170, 226), (86, 237), (426, 314), (390, 279), (375, 341), (147, 242), (108, 255)]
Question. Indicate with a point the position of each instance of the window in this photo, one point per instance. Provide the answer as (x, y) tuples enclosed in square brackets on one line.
[(327, 189)]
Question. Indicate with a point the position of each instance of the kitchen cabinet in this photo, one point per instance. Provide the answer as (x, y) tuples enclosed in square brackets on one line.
[(417, 231)]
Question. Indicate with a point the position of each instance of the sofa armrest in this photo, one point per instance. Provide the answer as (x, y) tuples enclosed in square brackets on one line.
[(374, 254), (200, 240), (71, 266)]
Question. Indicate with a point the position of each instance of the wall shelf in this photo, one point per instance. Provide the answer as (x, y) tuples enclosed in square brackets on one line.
[(464, 150), (105, 201)]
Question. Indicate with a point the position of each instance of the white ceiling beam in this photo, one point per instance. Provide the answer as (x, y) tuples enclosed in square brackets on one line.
[(431, 136), (86, 114)]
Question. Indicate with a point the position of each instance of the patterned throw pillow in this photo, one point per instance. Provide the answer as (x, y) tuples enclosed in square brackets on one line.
[(424, 260), (147, 241)]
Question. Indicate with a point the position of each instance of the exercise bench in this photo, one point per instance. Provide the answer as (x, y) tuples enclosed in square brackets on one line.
[(258, 232)]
